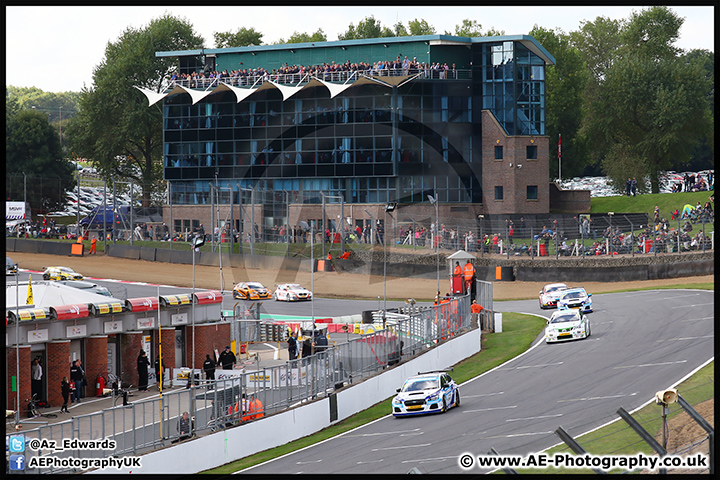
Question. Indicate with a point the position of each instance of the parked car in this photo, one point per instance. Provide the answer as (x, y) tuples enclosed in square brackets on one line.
[(575, 298), (568, 324), (61, 273), (88, 286), (251, 291), (291, 292), (550, 293), (11, 267), (428, 392)]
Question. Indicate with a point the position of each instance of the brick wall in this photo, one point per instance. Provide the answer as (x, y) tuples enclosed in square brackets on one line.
[(95, 361), (168, 348), (208, 338), (57, 366), (130, 345), (11, 371), (506, 173)]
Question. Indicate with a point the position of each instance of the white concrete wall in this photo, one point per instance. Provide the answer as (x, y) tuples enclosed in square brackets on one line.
[(233, 444)]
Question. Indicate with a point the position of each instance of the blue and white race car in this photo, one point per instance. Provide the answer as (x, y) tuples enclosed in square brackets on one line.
[(568, 324), (428, 392), (575, 298)]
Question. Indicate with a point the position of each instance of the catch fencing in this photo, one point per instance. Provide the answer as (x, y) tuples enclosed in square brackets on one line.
[(238, 396)]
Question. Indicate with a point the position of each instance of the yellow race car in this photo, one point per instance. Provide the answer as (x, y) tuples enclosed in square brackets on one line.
[(61, 273), (251, 291)]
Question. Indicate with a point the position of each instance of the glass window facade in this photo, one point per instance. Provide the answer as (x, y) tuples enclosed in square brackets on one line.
[(373, 144), (513, 83)]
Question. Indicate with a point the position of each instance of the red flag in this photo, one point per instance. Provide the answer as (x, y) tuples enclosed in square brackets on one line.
[(559, 146)]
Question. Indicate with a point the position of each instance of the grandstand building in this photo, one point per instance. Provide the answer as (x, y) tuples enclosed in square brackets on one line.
[(293, 128)]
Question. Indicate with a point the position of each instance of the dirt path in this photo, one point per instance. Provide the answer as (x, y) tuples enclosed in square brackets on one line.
[(328, 284)]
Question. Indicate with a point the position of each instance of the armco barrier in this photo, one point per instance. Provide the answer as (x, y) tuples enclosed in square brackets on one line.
[(10, 244), (130, 252), (289, 425)]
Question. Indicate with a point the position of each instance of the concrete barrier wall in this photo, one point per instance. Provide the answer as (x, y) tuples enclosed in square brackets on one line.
[(672, 268), (582, 274), (681, 269), (232, 444)]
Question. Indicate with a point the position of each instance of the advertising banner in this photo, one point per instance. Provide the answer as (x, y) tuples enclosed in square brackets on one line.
[(14, 210)]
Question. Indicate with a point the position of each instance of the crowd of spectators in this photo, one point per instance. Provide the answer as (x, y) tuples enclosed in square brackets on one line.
[(36, 229), (695, 183), (331, 72)]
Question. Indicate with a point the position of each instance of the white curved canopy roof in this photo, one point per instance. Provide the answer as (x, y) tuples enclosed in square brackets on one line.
[(242, 93)]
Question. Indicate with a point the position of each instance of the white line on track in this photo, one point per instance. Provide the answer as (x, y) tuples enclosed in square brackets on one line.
[(539, 366), (595, 398), (520, 435), (696, 319), (401, 447), (650, 364), (685, 338), (695, 305), (482, 395), (370, 461), (534, 418), (489, 409), (307, 463)]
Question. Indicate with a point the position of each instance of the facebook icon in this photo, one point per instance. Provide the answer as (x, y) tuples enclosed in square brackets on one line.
[(17, 462)]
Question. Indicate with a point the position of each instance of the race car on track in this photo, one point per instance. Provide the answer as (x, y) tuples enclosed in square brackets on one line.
[(550, 293), (292, 292), (568, 324), (61, 273), (251, 291), (428, 392), (11, 267), (575, 298)]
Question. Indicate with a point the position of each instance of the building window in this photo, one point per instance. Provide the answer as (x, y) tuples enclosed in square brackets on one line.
[(531, 152), (498, 152), (532, 192), (498, 193)]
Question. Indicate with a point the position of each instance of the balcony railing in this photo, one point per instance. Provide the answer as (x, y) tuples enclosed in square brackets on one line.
[(303, 78)]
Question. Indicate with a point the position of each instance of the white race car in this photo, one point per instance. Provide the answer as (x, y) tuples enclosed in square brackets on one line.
[(567, 325), (575, 298), (550, 293), (429, 392), (292, 292)]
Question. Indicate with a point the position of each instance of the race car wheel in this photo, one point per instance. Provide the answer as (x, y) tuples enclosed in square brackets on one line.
[(444, 407), (457, 398), (588, 331), (46, 277)]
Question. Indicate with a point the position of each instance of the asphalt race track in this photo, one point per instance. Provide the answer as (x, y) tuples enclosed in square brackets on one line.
[(641, 342)]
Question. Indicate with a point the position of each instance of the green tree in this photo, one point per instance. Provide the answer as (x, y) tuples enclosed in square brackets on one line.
[(471, 28), (651, 107), (599, 42), (243, 37), (114, 126), (565, 82), (32, 153), (369, 27), (651, 114), (420, 27), (296, 37)]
